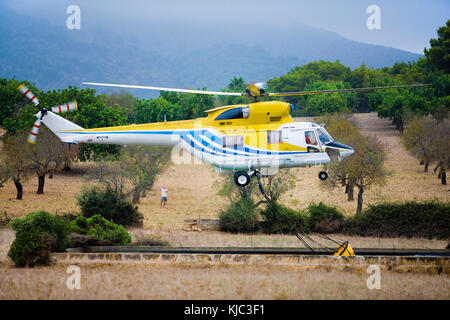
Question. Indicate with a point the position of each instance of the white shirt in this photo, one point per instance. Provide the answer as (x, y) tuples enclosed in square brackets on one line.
[(164, 193)]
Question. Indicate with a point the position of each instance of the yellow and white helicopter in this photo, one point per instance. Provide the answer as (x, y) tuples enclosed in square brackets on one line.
[(246, 140)]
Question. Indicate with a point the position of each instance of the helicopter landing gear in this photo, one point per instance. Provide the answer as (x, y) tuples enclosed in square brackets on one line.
[(241, 178), (323, 175)]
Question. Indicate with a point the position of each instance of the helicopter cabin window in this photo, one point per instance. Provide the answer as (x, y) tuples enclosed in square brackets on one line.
[(324, 137), (310, 138), (235, 113), (232, 141), (274, 137)]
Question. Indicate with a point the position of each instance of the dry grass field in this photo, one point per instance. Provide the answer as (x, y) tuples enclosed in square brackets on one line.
[(215, 282), (191, 194)]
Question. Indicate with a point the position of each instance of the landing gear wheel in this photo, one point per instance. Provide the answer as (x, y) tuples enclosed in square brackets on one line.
[(241, 178), (323, 175)]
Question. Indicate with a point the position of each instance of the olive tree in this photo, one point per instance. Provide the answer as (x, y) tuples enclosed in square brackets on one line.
[(131, 173), (15, 162), (47, 156), (364, 168)]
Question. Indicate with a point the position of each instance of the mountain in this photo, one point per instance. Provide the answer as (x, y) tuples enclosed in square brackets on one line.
[(52, 56)]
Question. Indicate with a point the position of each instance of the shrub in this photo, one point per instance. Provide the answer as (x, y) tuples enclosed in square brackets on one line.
[(324, 219), (100, 228), (281, 219), (408, 219), (150, 242), (240, 216), (37, 234), (110, 205)]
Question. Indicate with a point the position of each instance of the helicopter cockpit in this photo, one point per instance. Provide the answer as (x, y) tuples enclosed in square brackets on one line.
[(317, 139)]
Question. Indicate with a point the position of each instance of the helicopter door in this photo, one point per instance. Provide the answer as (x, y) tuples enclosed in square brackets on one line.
[(311, 140)]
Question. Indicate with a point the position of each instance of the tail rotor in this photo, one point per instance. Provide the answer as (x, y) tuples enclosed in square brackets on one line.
[(70, 106), (27, 93), (34, 131)]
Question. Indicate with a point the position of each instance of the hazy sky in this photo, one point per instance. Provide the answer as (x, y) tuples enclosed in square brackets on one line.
[(407, 25)]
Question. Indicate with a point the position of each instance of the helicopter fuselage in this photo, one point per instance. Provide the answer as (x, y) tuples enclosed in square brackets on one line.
[(231, 138)]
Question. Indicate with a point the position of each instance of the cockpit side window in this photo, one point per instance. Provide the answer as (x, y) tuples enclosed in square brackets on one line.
[(324, 137), (235, 113), (310, 138)]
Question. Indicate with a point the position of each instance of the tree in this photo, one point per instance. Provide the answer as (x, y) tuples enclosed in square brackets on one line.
[(440, 148), (299, 77), (145, 163), (188, 105), (131, 173), (236, 85), (275, 186), (360, 78), (367, 167), (16, 162), (156, 110), (341, 126), (278, 184), (16, 112), (330, 102), (124, 100), (364, 168), (418, 140), (4, 173), (48, 155), (438, 56), (429, 141)]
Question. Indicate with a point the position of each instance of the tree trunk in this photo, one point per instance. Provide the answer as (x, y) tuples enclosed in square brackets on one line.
[(425, 169), (136, 196), (443, 176), (437, 166), (19, 188), (360, 200), (41, 181), (349, 188)]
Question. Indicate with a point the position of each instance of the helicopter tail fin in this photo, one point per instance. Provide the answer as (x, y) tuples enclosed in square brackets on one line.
[(61, 127)]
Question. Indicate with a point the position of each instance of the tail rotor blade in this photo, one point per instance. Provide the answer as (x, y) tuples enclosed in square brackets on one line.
[(34, 132), (27, 93), (65, 107)]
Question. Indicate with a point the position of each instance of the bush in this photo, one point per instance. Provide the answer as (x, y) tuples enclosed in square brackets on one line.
[(82, 241), (99, 228), (240, 216), (281, 219), (324, 219), (37, 234), (408, 219), (110, 205), (150, 242)]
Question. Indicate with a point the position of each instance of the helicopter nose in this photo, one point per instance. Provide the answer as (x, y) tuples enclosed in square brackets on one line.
[(344, 150), (346, 153)]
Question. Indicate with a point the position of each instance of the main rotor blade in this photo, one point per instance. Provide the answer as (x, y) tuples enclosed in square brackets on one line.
[(304, 93), (165, 89)]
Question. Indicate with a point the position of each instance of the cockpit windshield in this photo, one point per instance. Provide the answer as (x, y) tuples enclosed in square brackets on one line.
[(324, 137)]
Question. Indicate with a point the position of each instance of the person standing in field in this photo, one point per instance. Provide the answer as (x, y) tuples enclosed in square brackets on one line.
[(163, 197)]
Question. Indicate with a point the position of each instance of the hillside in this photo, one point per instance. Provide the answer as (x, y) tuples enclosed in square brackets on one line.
[(51, 56)]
